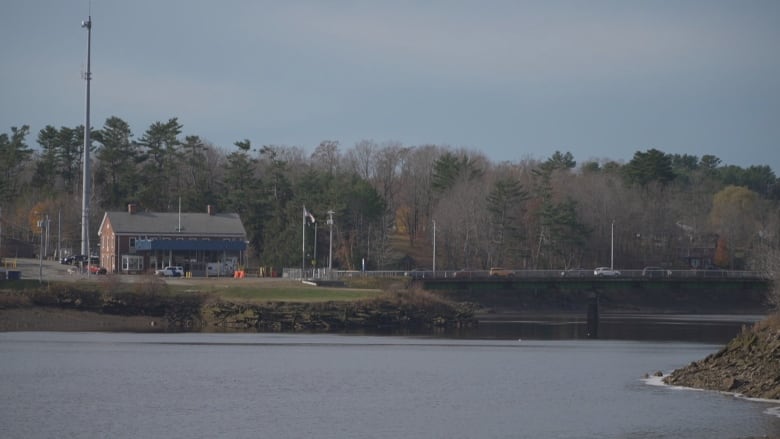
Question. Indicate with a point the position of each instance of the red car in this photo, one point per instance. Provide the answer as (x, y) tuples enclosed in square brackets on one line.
[(94, 269)]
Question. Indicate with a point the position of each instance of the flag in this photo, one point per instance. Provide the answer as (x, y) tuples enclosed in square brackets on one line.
[(308, 214)]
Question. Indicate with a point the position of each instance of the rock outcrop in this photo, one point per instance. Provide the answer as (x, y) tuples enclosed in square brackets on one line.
[(748, 365), (380, 314)]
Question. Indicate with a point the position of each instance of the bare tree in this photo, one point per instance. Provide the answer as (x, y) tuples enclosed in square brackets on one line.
[(462, 221), (416, 200), (326, 156), (766, 253), (361, 159)]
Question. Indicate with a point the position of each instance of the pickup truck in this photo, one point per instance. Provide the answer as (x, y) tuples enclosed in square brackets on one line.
[(170, 271), (501, 272)]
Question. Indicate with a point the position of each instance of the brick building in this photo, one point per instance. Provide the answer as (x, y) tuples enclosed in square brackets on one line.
[(140, 242)]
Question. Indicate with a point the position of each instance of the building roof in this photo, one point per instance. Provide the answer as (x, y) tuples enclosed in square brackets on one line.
[(167, 224)]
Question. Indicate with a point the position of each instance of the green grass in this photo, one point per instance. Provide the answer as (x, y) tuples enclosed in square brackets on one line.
[(21, 285), (272, 292)]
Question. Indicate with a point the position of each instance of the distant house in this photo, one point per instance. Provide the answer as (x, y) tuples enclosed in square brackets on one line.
[(138, 242)]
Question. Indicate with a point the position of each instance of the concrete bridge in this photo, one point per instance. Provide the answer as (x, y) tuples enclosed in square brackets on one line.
[(680, 291)]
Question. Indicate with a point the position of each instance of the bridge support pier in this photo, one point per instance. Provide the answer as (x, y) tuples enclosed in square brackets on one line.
[(592, 328)]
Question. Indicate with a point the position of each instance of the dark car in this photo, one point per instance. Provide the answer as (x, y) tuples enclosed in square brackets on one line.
[(575, 272)]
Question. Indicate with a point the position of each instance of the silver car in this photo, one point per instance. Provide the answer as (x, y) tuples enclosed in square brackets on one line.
[(606, 272)]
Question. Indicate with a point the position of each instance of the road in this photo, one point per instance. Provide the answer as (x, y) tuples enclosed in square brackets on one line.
[(54, 271)]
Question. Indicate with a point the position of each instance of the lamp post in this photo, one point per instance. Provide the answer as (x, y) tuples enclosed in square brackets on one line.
[(41, 226), (612, 247), (87, 143), (330, 243), (434, 248)]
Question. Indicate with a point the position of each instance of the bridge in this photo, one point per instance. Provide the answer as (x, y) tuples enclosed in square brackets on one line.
[(677, 291), (519, 275), (580, 274)]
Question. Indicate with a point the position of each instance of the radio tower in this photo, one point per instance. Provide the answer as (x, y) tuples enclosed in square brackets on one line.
[(87, 143)]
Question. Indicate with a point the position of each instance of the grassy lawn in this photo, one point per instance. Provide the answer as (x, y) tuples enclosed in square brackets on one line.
[(299, 293), (249, 290)]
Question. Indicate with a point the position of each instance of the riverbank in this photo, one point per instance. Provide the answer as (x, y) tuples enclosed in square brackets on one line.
[(154, 308), (65, 320), (748, 365)]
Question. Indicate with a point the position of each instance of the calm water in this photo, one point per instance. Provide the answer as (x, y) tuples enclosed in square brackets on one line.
[(98, 385)]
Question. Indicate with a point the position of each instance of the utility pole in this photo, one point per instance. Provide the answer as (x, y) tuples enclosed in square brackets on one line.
[(87, 143), (434, 248), (41, 225), (46, 246), (59, 234), (330, 243), (612, 247)]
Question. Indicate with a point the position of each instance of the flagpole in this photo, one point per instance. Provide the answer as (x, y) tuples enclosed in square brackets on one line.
[(303, 248)]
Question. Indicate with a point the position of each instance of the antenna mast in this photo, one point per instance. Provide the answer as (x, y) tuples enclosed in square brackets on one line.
[(87, 144)]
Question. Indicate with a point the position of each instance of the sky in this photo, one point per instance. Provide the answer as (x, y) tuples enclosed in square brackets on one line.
[(513, 79)]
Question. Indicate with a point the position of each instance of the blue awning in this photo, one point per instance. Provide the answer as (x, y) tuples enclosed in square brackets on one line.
[(188, 245)]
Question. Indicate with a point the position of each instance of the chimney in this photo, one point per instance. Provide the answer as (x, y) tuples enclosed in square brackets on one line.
[(210, 209), (131, 208)]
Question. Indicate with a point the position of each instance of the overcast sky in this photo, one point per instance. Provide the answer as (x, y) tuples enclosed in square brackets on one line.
[(513, 79)]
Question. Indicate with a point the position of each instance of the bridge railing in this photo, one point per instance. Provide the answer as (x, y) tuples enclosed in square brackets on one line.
[(324, 273)]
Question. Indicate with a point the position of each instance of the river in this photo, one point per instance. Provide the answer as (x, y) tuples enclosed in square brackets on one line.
[(519, 378)]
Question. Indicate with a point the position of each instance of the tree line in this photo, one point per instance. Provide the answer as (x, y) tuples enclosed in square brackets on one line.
[(658, 208)]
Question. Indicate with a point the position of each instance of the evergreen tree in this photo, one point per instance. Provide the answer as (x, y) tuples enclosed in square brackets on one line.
[(649, 166), (160, 165), (116, 175), (14, 155)]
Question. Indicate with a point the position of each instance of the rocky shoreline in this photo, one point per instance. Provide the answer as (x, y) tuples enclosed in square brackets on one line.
[(748, 365)]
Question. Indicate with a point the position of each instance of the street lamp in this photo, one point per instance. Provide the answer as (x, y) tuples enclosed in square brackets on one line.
[(434, 248), (612, 247), (41, 226), (330, 243)]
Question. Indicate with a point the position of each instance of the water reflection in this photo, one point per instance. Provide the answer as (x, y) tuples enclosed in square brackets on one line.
[(716, 329)]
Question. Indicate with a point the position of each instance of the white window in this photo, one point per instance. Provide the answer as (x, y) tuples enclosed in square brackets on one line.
[(132, 263)]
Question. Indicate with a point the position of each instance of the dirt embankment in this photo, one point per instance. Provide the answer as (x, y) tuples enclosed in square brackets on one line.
[(748, 365)]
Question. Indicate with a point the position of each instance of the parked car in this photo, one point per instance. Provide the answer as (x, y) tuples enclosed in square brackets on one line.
[(606, 272), (171, 271), (501, 272), (575, 272), (73, 259), (95, 269)]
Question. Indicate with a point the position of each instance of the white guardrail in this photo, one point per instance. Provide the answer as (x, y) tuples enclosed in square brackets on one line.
[(323, 273)]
